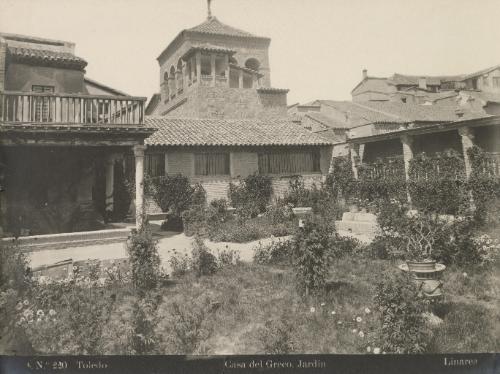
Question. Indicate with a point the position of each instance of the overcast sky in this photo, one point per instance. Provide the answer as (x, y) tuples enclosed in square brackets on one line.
[(318, 47)]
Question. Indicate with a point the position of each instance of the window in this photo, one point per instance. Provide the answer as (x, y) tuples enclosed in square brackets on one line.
[(289, 162), (42, 104), (496, 81), (154, 164), (211, 164)]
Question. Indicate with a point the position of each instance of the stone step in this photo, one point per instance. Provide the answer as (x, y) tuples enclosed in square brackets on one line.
[(72, 239), (363, 217), (357, 227)]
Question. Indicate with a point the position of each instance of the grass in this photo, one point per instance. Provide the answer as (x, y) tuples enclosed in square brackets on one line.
[(250, 295)]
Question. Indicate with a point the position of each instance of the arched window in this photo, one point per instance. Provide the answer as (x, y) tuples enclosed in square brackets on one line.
[(166, 89), (252, 63), (171, 85), (180, 76)]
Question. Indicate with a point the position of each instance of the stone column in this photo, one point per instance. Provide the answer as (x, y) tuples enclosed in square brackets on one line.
[(198, 66), (226, 62), (240, 79), (110, 180), (354, 152), (467, 135), (139, 184), (212, 67), (407, 142)]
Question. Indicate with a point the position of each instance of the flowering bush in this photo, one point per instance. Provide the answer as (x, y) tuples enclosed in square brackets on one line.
[(179, 264), (251, 196), (278, 252), (279, 212), (403, 328), (203, 262), (488, 249)]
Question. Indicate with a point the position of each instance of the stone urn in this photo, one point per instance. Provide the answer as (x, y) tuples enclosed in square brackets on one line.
[(427, 275)]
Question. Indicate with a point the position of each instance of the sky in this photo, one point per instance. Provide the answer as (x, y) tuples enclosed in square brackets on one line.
[(318, 47)]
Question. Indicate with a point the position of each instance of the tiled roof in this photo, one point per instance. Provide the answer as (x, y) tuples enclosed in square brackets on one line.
[(272, 90), (356, 115), (213, 26), (373, 84), (326, 120), (206, 47), (46, 56), (230, 132), (481, 72), (401, 79)]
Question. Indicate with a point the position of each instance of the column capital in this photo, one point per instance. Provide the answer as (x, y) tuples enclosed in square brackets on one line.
[(139, 150), (406, 139), (466, 132)]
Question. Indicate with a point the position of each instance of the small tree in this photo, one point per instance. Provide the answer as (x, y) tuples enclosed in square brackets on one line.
[(144, 260)]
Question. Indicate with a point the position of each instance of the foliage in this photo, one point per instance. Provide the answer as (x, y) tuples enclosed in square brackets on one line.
[(194, 220), (280, 212), (278, 252), (179, 264), (403, 328), (144, 321), (341, 181), (485, 188), (14, 270), (276, 336), (227, 257), (123, 193), (438, 184), (174, 193), (187, 324), (251, 196), (311, 255), (144, 260), (173, 222), (203, 262)]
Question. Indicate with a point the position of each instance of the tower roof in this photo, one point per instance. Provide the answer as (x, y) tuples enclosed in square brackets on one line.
[(212, 26)]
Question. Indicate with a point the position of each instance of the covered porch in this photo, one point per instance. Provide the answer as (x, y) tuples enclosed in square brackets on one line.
[(60, 177)]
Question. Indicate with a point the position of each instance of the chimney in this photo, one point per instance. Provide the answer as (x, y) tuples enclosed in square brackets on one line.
[(365, 73), (422, 83)]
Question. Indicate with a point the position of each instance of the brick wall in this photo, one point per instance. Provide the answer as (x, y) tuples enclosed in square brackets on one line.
[(224, 102), (243, 163)]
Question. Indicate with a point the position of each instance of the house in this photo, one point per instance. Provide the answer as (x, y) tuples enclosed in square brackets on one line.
[(218, 119), (424, 89), (62, 138)]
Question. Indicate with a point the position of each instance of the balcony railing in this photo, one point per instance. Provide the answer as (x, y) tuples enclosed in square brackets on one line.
[(31, 107)]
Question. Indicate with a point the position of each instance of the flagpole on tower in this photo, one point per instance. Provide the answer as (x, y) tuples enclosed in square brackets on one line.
[(208, 8)]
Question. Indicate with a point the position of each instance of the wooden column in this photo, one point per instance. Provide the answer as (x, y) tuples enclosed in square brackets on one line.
[(467, 135), (212, 67), (110, 180), (139, 185), (226, 62), (354, 153)]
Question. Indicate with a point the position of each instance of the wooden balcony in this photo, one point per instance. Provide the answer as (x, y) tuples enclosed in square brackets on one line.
[(31, 107)]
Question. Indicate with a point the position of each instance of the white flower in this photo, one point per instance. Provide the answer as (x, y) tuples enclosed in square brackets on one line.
[(358, 319), (333, 312), (323, 304), (19, 306), (105, 269), (52, 312), (26, 302), (339, 322), (464, 274), (22, 320), (75, 268), (40, 313), (38, 320), (361, 334), (115, 268), (376, 350), (354, 331), (368, 349), (312, 310), (367, 311)]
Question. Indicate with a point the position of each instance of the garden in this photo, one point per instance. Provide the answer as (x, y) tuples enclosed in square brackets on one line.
[(310, 290)]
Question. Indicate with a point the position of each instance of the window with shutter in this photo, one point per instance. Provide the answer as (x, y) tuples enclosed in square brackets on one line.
[(154, 164), (211, 164), (289, 162)]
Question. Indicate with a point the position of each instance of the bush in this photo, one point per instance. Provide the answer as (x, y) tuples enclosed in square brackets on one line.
[(180, 264), (311, 255), (278, 252), (174, 193), (227, 257), (14, 270), (144, 321), (204, 263), (403, 327), (194, 220), (187, 324), (144, 260), (253, 194), (276, 337), (172, 223), (279, 212)]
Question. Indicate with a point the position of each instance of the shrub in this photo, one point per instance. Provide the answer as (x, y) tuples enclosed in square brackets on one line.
[(180, 264), (311, 255), (172, 223), (14, 270), (227, 257), (278, 252), (204, 263), (144, 321), (194, 220), (403, 328), (237, 232), (144, 260), (253, 191), (341, 181), (279, 212), (187, 324), (174, 193), (276, 337)]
